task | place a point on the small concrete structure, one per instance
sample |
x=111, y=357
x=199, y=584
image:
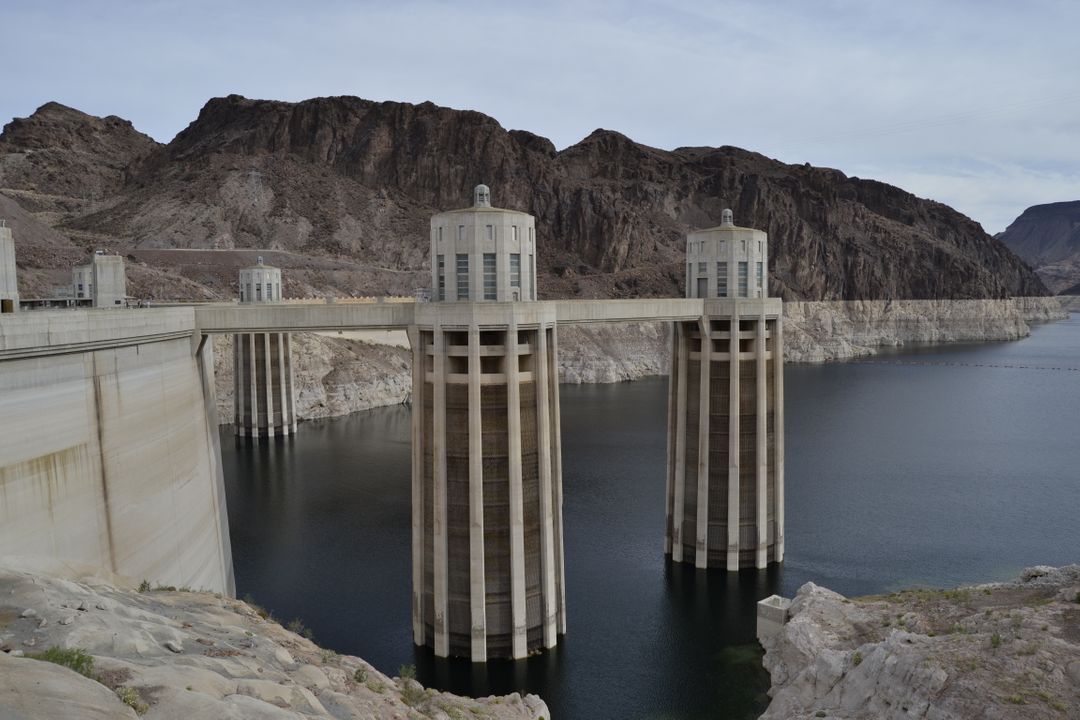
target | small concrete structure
x=263, y=398
x=487, y=465
x=483, y=253
x=725, y=488
x=772, y=615
x=103, y=280
x=9, y=287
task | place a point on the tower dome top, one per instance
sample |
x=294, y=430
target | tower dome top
x=727, y=218
x=481, y=196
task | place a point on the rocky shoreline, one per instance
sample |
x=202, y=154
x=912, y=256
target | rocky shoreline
x=77, y=642
x=339, y=375
x=1003, y=650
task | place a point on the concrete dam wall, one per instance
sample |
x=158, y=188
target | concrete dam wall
x=109, y=445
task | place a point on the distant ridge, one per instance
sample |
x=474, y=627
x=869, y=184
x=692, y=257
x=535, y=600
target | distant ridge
x=1048, y=237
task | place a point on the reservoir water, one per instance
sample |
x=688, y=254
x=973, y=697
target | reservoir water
x=931, y=467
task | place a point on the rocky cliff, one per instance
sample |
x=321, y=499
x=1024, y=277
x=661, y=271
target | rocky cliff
x=1048, y=237
x=348, y=184
x=1005, y=651
x=78, y=643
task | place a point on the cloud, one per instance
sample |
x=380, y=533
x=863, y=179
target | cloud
x=951, y=100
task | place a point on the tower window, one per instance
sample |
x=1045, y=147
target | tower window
x=258, y=291
x=490, y=232
x=438, y=233
x=760, y=276
x=515, y=269
x=742, y=279
x=532, y=273
x=721, y=279
x=490, y=283
x=461, y=233
x=462, y=276
x=514, y=232
x=441, y=262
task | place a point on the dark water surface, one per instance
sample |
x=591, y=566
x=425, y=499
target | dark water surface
x=933, y=467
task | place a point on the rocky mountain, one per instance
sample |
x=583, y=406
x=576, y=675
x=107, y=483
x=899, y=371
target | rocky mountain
x=1048, y=237
x=340, y=189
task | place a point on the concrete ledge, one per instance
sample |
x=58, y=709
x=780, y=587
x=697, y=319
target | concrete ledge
x=33, y=334
x=772, y=615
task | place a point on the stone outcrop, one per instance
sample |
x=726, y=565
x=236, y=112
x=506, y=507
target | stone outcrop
x=333, y=376
x=1048, y=237
x=353, y=182
x=822, y=331
x=179, y=655
x=1003, y=651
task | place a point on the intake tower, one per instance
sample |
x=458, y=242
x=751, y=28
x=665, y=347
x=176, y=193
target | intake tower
x=487, y=467
x=263, y=396
x=725, y=498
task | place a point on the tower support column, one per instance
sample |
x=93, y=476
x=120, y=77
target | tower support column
x=263, y=405
x=487, y=501
x=732, y=516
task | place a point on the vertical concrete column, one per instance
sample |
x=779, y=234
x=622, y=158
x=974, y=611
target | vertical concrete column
x=778, y=434
x=268, y=385
x=517, y=507
x=671, y=432
x=761, y=452
x=439, y=529
x=556, y=480
x=292, y=387
x=477, y=586
x=419, y=371
x=733, y=448
x=238, y=386
x=701, y=558
x=547, y=521
x=283, y=385
x=682, y=352
x=253, y=387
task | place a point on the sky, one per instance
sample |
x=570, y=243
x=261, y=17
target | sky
x=972, y=103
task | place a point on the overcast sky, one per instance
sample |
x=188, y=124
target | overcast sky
x=975, y=104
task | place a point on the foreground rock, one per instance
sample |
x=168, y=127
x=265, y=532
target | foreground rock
x=1006, y=650
x=189, y=656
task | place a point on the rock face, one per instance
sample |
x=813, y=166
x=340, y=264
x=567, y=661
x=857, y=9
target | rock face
x=333, y=376
x=823, y=331
x=1048, y=237
x=1007, y=650
x=177, y=655
x=349, y=181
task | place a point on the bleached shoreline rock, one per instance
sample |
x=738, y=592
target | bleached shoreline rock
x=1002, y=651
x=182, y=655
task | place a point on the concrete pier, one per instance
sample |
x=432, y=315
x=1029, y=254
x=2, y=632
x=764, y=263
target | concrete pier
x=725, y=446
x=9, y=286
x=263, y=392
x=487, y=481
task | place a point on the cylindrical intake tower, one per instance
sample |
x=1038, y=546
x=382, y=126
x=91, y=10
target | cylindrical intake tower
x=725, y=498
x=263, y=400
x=487, y=480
